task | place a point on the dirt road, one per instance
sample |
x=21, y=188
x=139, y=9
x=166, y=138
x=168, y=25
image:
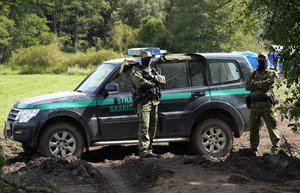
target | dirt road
x=117, y=169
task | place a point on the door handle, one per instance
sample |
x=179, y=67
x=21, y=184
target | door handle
x=198, y=94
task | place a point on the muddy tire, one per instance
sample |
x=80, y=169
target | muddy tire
x=212, y=137
x=61, y=140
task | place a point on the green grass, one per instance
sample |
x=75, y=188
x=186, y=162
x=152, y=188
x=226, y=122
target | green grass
x=14, y=88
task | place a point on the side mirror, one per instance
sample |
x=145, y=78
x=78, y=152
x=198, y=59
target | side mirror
x=111, y=88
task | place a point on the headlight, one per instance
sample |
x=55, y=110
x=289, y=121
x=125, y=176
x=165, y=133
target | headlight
x=27, y=114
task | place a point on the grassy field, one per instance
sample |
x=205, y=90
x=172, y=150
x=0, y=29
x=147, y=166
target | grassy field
x=14, y=88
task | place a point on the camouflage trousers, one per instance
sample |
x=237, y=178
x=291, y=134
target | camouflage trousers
x=263, y=110
x=147, y=118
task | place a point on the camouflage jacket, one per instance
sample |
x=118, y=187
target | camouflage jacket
x=261, y=83
x=140, y=82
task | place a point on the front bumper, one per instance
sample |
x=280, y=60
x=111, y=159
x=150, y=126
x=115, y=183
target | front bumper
x=19, y=132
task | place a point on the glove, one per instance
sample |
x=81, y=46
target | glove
x=148, y=77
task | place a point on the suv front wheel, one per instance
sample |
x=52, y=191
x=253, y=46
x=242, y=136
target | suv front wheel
x=212, y=137
x=61, y=139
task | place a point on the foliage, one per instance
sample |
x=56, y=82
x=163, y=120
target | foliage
x=90, y=58
x=6, y=26
x=7, y=70
x=28, y=31
x=152, y=32
x=76, y=70
x=120, y=37
x=79, y=22
x=37, y=56
x=5, y=188
x=78, y=25
x=131, y=12
x=50, y=59
x=281, y=27
x=207, y=25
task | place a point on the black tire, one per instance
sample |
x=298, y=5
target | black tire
x=212, y=137
x=65, y=140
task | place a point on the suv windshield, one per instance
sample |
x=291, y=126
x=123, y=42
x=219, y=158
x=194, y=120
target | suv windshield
x=95, y=79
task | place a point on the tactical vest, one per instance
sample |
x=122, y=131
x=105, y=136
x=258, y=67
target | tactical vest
x=143, y=95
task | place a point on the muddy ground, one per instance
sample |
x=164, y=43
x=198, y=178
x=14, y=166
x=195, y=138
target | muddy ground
x=117, y=169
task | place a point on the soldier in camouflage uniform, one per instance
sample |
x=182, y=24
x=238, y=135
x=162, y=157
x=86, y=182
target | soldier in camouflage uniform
x=260, y=83
x=146, y=81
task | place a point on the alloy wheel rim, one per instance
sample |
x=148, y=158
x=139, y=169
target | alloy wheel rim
x=213, y=140
x=62, y=144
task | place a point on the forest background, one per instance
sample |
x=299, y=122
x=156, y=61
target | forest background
x=73, y=36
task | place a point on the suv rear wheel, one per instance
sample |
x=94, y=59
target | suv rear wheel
x=212, y=137
x=61, y=139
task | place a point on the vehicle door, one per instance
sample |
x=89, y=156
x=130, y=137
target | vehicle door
x=116, y=114
x=186, y=89
x=226, y=82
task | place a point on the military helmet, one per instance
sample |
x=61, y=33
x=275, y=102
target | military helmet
x=147, y=54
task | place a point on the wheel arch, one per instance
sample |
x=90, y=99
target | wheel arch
x=218, y=110
x=66, y=116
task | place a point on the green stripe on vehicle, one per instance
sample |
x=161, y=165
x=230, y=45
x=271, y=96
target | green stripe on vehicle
x=228, y=92
x=77, y=104
x=173, y=96
x=106, y=102
x=24, y=106
x=73, y=104
x=111, y=101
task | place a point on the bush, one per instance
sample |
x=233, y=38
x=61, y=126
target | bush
x=90, y=58
x=76, y=70
x=7, y=70
x=37, y=56
x=49, y=59
x=27, y=69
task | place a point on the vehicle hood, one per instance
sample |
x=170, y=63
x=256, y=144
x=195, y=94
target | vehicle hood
x=56, y=100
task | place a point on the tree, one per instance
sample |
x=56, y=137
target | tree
x=6, y=26
x=152, y=33
x=280, y=21
x=120, y=37
x=207, y=25
x=78, y=22
x=195, y=26
x=29, y=31
x=131, y=12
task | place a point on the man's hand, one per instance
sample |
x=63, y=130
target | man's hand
x=148, y=76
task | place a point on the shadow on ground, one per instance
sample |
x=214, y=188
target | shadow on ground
x=119, y=152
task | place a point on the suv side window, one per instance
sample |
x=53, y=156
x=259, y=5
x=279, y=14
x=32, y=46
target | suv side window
x=223, y=72
x=124, y=81
x=176, y=74
x=197, y=73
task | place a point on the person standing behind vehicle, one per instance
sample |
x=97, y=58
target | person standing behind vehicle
x=147, y=93
x=260, y=82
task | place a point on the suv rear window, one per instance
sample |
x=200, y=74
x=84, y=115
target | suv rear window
x=183, y=74
x=176, y=75
x=223, y=72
